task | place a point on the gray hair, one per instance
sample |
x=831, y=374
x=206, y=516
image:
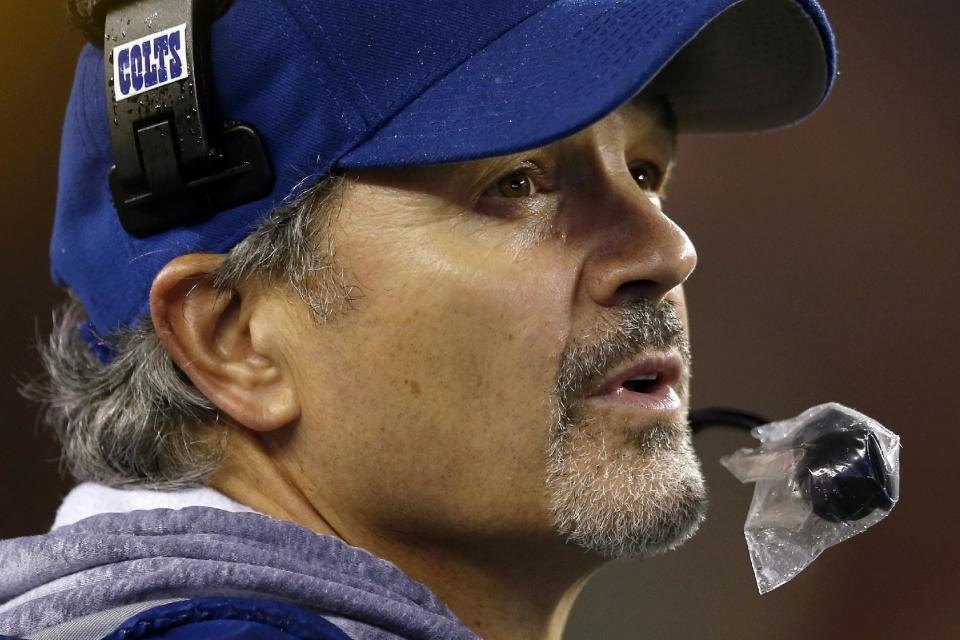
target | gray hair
x=137, y=419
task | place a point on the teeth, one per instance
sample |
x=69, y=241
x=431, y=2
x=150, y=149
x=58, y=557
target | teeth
x=648, y=376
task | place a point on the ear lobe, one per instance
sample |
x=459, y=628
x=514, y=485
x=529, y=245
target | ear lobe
x=208, y=335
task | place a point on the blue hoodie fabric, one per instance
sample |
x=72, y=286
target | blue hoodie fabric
x=199, y=561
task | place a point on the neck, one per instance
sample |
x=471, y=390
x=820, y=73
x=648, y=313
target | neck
x=504, y=589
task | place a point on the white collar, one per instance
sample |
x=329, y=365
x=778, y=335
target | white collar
x=89, y=499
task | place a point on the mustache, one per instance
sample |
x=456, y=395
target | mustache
x=626, y=333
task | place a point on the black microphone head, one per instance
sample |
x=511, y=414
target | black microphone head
x=842, y=472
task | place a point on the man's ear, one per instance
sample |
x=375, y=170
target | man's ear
x=227, y=343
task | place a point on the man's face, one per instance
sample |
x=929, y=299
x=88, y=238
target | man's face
x=489, y=384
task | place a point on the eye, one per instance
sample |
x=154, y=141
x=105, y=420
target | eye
x=518, y=184
x=648, y=176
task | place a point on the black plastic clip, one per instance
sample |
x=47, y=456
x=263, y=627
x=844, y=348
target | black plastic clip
x=175, y=163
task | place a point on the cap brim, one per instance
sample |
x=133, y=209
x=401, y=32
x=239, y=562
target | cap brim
x=724, y=65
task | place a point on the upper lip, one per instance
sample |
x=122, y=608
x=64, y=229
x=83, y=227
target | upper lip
x=667, y=366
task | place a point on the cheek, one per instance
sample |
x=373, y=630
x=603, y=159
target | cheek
x=679, y=298
x=451, y=368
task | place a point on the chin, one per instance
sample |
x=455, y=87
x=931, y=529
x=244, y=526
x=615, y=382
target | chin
x=639, y=495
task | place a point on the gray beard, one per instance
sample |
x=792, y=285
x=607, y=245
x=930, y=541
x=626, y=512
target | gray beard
x=636, y=492
x=639, y=497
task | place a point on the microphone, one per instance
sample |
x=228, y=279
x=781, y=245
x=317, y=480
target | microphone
x=841, y=473
x=821, y=477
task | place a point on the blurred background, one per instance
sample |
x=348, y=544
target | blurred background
x=828, y=271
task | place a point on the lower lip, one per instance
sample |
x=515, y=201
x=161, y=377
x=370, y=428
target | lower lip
x=662, y=398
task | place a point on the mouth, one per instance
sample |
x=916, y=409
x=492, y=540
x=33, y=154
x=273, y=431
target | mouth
x=649, y=384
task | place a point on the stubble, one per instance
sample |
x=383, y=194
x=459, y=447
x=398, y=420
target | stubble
x=630, y=492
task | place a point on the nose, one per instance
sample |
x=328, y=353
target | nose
x=637, y=251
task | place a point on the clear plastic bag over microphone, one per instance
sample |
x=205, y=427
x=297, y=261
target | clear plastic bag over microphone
x=822, y=477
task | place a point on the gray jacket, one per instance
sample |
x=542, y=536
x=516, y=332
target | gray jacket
x=81, y=580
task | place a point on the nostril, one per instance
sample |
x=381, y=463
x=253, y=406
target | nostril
x=634, y=290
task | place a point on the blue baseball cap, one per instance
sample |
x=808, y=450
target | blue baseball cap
x=348, y=84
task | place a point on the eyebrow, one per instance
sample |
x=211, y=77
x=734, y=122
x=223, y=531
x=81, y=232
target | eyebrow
x=663, y=116
x=658, y=114
x=666, y=116
x=661, y=109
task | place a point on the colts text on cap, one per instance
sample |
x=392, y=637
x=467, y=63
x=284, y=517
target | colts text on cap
x=150, y=62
